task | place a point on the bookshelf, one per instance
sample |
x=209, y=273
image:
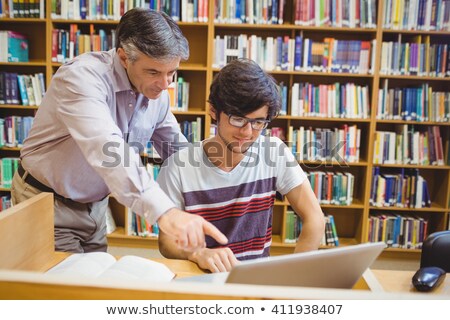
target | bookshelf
x=352, y=221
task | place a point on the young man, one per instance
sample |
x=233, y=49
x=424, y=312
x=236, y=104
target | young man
x=231, y=179
x=99, y=112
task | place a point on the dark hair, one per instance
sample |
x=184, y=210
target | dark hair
x=242, y=87
x=151, y=32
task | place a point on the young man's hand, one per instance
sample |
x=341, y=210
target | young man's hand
x=189, y=230
x=214, y=260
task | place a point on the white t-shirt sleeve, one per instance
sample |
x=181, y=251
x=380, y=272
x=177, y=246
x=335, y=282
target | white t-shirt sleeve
x=169, y=180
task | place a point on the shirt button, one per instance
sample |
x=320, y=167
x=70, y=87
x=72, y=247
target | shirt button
x=132, y=93
x=130, y=105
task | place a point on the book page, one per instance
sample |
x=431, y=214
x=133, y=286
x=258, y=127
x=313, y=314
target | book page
x=138, y=268
x=104, y=265
x=84, y=264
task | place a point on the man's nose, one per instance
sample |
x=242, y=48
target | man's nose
x=247, y=128
x=164, y=82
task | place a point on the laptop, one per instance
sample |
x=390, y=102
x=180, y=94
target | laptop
x=329, y=268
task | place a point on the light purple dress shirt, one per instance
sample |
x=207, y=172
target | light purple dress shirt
x=79, y=142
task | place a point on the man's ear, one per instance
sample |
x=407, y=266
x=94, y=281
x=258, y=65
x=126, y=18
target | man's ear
x=212, y=112
x=122, y=57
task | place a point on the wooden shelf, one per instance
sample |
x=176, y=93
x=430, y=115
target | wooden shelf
x=418, y=78
x=355, y=205
x=424, y=123
x=321, y=163
x=17, y=106
x=189, y=113
x=403, y=250
x=118, y=238
x=344, y=120
x=315, y=74
x=4, y=148
x=411, y=166
x=289, y=27
x=31, y=63
x=417, y=32
x=433, y=208
x=22, y=20
x=95, y=22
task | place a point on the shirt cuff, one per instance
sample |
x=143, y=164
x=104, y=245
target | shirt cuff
x=152, y=205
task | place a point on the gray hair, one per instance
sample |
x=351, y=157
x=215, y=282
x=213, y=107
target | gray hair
x=153, y=33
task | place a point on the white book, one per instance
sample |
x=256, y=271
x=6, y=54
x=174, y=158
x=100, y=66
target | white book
x=270, y=62
x=392, y=147
x=411, y=15
x=110, y=222
x=427, y=23
x=380, y=104
x=184, y=11
x=399, y=149
x=64, y=9
x=29, y=88
x=291, y=53
x=300, y=143
x=384, y=54
x=305, y=54
x=406, y=150
x=243, y=46
x=102, y=265
x=419, y=192
x=36, y=89
x=3, y=46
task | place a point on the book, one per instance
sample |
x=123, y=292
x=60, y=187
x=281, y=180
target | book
x=102, y=265
x=110, y=222
x=17, y=47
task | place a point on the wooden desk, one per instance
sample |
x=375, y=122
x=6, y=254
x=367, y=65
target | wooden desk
x=36, y=285
x=400, y=281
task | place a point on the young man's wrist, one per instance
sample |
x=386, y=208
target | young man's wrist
x=193, y=256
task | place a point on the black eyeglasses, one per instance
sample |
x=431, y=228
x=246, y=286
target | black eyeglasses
x=240, y=122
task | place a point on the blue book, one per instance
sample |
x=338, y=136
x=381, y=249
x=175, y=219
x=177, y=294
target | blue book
x=83, y=9
x=333, y=228
x=195, y=10
x=237, y=16
x=17, y=47
x=298, y=52
x=279, y=53
x=8, y=98
x=275, y=11
x=396, y=234
x=2, y=87
x=22, y=90
x=284, y=100
x=373, y=190
x=175, y=10
x=14, y=89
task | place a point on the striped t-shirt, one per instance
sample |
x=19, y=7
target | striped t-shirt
x=240, y=202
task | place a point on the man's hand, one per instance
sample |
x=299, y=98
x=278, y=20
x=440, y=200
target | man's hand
x=189, y=230
x=214, y=260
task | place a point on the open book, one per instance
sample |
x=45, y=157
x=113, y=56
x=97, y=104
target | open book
x=104, y=265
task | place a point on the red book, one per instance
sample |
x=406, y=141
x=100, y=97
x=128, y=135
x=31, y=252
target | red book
x=55, y=33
